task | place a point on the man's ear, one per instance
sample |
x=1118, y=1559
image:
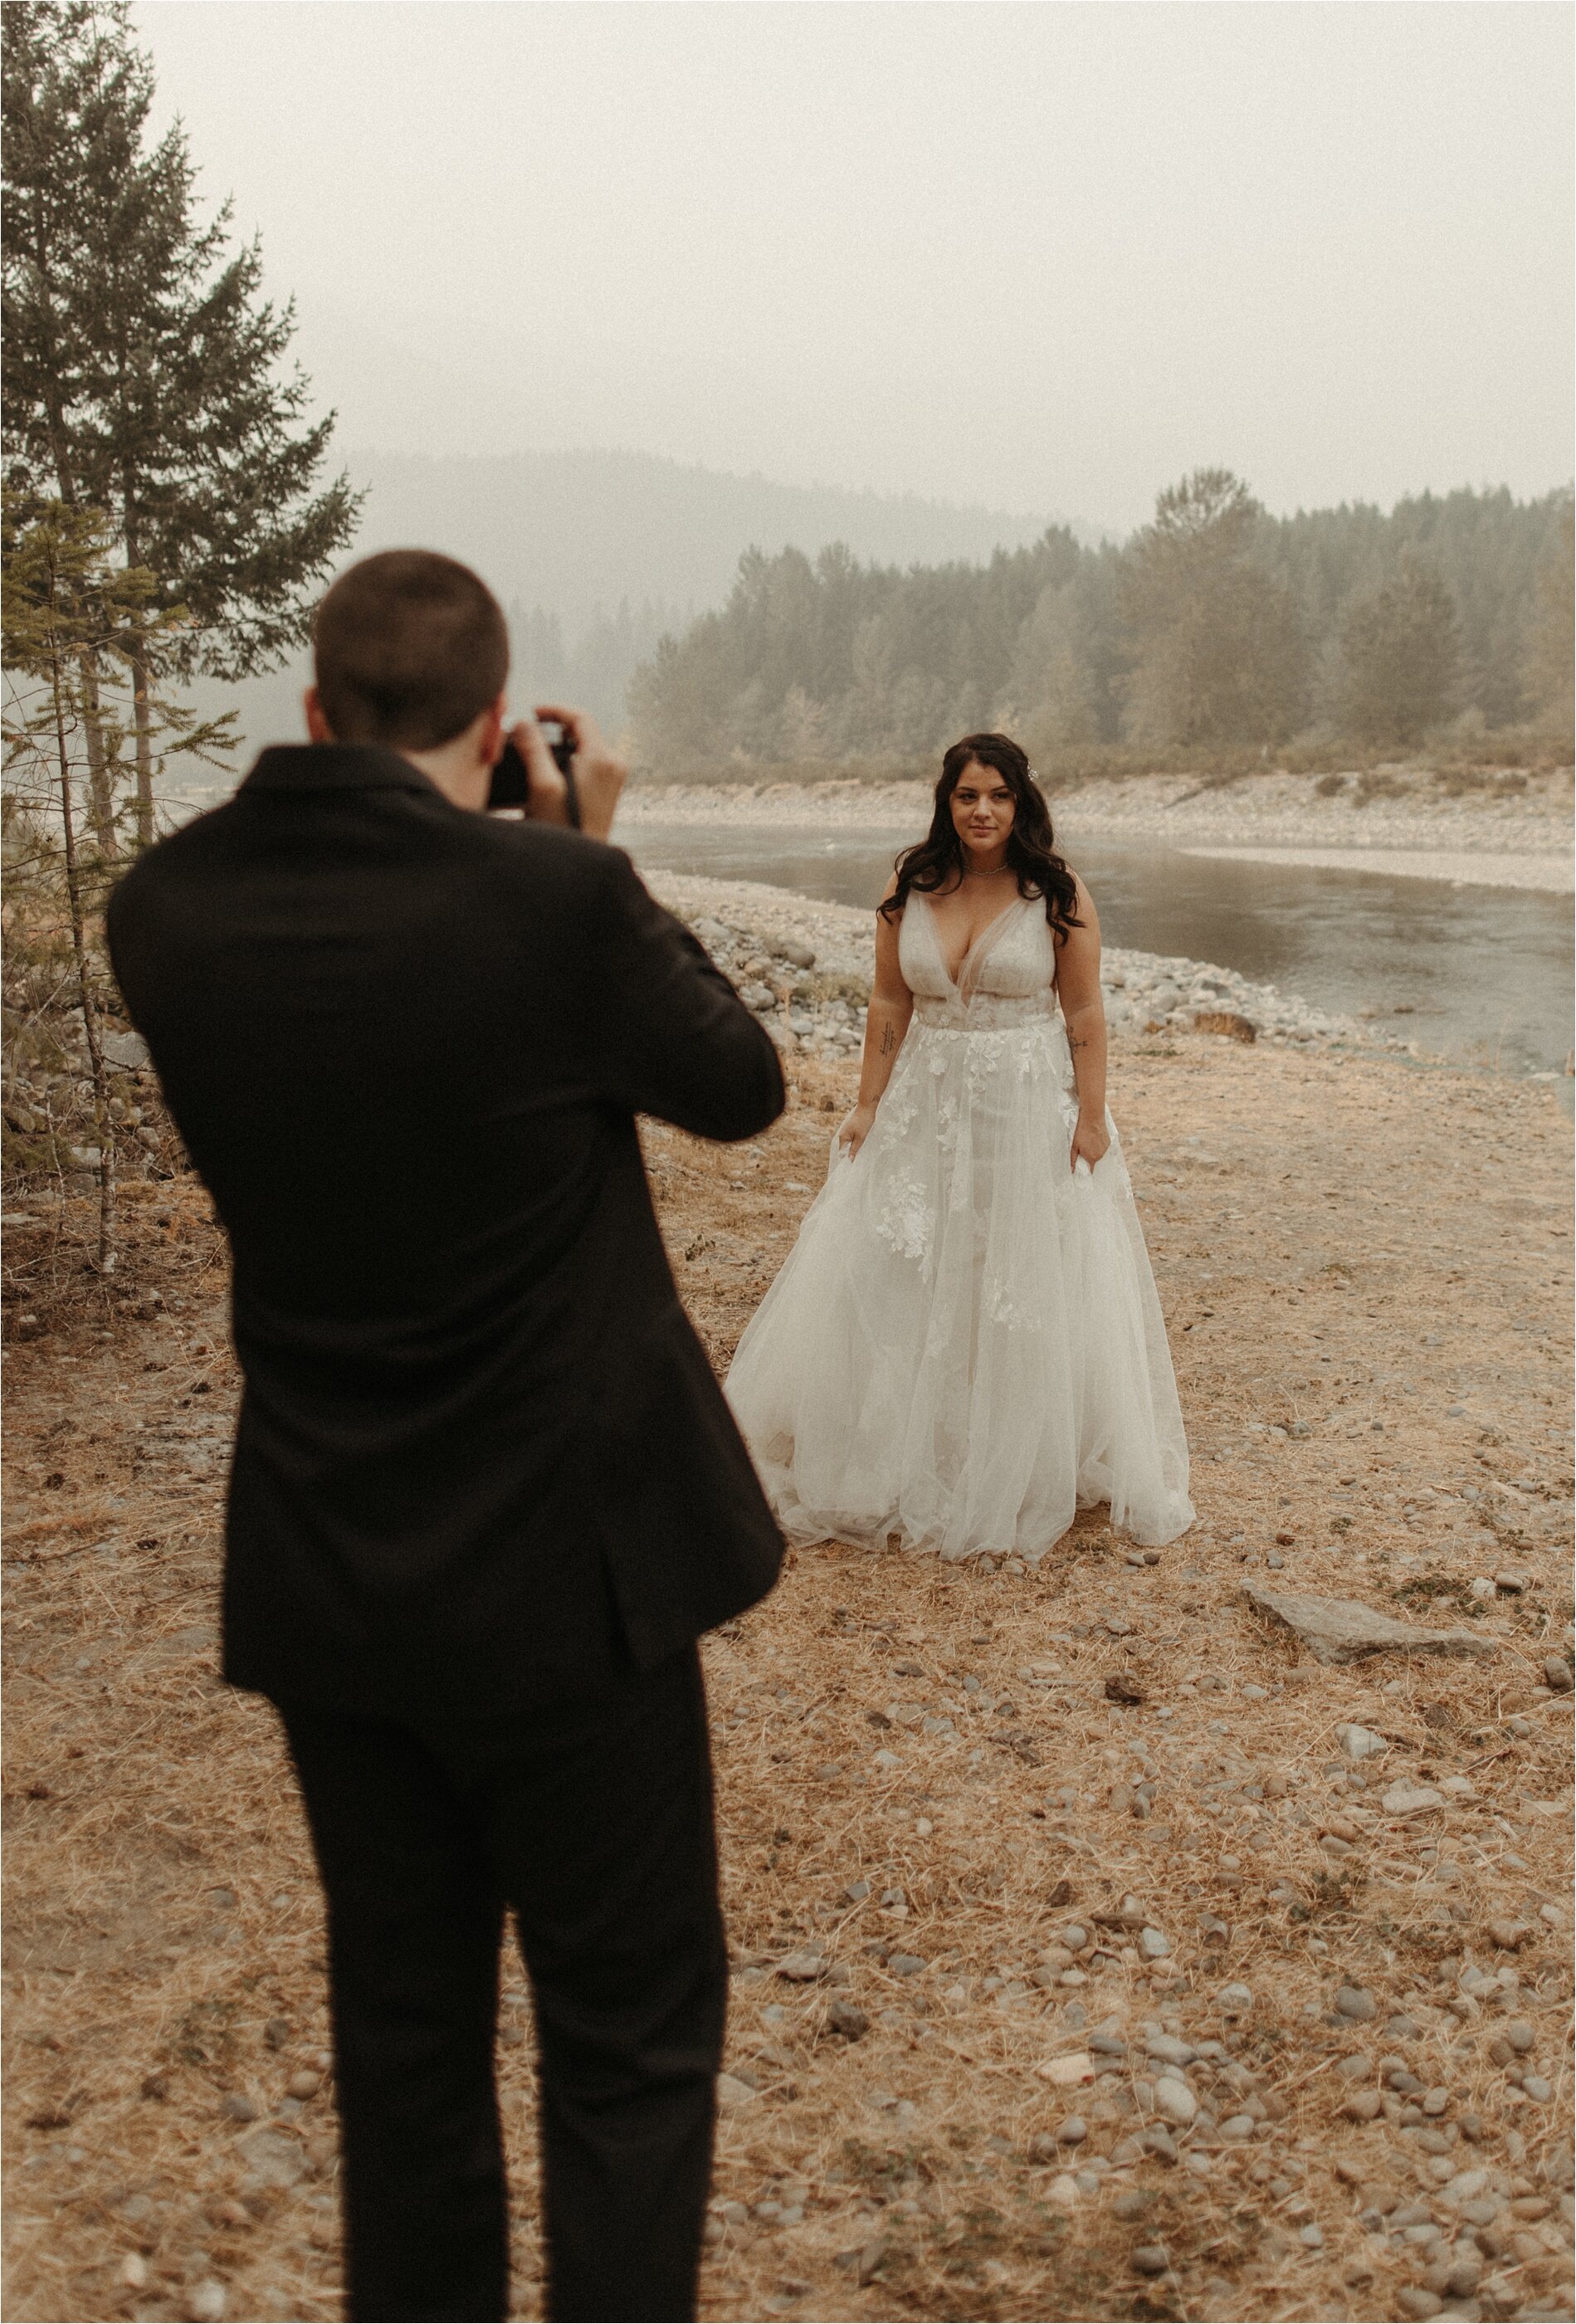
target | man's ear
x=492, y=738
x=317, y=726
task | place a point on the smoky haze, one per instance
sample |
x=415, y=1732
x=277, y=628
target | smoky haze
x=1024, y=262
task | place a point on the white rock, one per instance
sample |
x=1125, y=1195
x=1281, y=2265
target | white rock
x=1066, y=2073
x=732, y=2093
x=802, y=1967
x=208, y=2301
x=1175, y=2100
x=1412, y=1799
x=1464, y=2188
x=1234, y=2000
x=1169, y=2050
x=1063, y=2190
x=1358, y=1742
x=1153, y=1945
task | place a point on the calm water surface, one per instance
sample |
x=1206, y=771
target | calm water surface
x=1484, y=973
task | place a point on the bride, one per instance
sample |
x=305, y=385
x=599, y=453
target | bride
x=964, y=1345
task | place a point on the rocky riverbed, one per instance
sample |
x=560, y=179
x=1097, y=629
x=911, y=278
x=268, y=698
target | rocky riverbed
x=805, y=967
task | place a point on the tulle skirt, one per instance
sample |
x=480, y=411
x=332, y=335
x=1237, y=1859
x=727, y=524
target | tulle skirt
x=965, y=1345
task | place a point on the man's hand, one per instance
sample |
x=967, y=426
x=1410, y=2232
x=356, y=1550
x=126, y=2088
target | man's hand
x=599, y=777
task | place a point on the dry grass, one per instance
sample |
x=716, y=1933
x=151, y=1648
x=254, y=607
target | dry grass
x=163, y=1940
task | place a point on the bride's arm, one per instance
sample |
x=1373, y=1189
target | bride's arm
x=891, y=1005
x=1078, y=989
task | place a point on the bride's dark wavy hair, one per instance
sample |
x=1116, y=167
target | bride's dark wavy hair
x=1031, y=850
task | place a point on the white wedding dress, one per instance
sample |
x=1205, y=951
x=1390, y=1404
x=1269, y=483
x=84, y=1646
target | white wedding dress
x=964, y=1345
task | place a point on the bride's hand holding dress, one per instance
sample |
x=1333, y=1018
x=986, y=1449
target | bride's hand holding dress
x=886, y=1021
x=1084, y=1014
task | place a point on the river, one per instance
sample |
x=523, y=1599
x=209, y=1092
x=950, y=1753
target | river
x=1479, y=975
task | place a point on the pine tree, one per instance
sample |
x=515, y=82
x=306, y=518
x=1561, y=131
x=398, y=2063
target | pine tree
x=1548, y=672
x=143, y=374
x=69, y=607
x=1220, y=657
x=1402, y=649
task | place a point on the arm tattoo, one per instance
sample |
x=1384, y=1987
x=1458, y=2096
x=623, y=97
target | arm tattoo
x=888, y=1043
x=1073, y=1042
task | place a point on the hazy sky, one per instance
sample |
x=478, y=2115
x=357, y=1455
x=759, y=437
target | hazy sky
x=1044, y=256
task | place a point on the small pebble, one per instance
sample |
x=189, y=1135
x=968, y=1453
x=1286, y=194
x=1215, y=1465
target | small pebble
x=208, y=2301
x=1175, y=2100
x=1063, y=2190
x=1413, y=2300
x=1151, y=2259
x=1153, y=1945
x=238, y=2107
x=1131, y=2204
x=1073, y=2132
x=304, y=2085
x=1557, y=1673
x=1355, y=2001
x=844, y=2018
x=134, y=2271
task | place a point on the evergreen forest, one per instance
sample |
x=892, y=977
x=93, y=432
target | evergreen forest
x=1216, y=629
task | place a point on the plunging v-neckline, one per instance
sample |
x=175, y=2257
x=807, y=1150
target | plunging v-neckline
x=954, y=976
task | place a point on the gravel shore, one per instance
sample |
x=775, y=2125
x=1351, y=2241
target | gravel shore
x=805, y=967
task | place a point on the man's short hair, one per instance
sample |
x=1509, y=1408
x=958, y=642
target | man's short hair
x=409, y=647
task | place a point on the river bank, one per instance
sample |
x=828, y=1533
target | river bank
x=1516, y=837
x=806, y=966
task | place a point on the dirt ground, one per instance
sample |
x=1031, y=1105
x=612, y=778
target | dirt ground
x=925, y=1785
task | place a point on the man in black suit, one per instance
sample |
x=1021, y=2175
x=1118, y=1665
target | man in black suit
x=486, y=1493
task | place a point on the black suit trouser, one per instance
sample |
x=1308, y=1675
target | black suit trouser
x=594, y=1821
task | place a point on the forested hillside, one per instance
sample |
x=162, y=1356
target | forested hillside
x=1216, y=627
x=597, y=555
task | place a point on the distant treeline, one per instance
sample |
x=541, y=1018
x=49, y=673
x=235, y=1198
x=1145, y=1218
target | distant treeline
x=591, y=666
x=1217, y=627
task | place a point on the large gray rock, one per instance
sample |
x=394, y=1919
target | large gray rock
x=1339, y=1630
x=278, y=2161
x=129, y=1051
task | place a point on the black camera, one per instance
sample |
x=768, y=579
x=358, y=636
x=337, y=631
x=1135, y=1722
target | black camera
x=511, y=785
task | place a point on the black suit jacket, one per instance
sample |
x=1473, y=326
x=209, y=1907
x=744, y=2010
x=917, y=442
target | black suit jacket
x=406, y=1046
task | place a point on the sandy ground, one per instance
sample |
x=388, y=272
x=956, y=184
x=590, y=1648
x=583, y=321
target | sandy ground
x=1366, y=1270
x=1419, y=830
